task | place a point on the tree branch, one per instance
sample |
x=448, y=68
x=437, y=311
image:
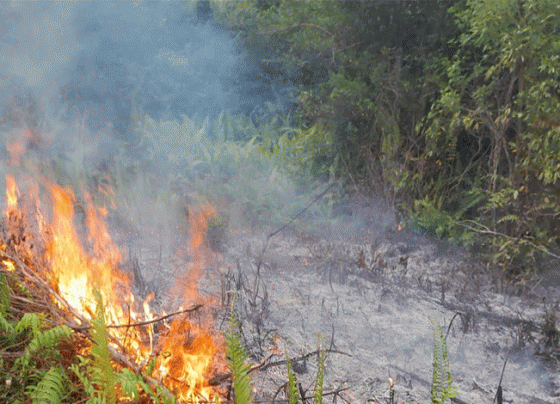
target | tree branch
x=485, y=230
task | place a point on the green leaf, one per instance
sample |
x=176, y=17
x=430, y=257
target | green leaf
x=236, y=356
x=4, y=295
x=128, y=382
x=51, y=389
x=102, y=370
x=318, y=390
x=292, y=383
x=31, y=321
x=442, y=383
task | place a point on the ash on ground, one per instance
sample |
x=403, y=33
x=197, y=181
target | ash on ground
x=370, y=300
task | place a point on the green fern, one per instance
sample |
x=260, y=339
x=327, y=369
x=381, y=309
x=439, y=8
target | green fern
x=81, y=372
x=7, y=328
x=49, y=338
x=102, y=370
x=32, y=321
x=318, y=391
x=237, y=356
x=128, y=382
x=42, y=342
x=34, y=381
x=51, y=389
x=4, y=295
x=442, y=383
x=292, y=383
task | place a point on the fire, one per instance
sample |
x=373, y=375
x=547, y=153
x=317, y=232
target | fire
x=77, y=273
x=19, y=147
x=9, y=265
x=198, y=249
x=12, y=193
x=187, y=353
x=68, y=259
x=184, y=352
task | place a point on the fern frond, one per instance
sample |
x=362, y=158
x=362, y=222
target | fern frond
x=4, y=295
x=78, y=371
x=51, y=389
x=442, y=382
x=128, y=382
x=81, y=373
x=237, y=356
x=292, y=383
x=102, y=369
x=41, y=341
x=7, y=327
x=31, y=321
x=49, y=338
x=318, y=391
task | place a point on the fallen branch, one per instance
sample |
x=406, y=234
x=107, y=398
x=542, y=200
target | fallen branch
x=300, y=213
x=218, y=379
x=156, y=320
x=43, y=285
x=266, y=364
x=259, y=263
x=147, y=322
x=124, y=361
x=303, y=397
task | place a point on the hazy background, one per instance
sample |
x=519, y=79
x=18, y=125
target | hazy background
x=94, y=61
x=147, y=99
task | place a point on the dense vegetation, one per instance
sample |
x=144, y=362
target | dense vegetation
x=448, y=109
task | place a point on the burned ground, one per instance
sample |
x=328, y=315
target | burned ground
x=371, y=300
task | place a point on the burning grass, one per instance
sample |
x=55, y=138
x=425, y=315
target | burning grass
x=67, y=305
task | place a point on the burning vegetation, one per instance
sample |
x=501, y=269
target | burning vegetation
x=86, y=304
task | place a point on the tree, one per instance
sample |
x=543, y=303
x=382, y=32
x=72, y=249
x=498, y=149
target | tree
x=448, y=108
x=495, y=126
x=359, y=69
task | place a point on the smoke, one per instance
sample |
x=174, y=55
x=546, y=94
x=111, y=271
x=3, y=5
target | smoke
x=117, y=94
x=152, y=57
x=99, y=61
x=36, y=47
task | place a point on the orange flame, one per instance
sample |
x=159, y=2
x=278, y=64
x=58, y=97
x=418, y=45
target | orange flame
x=12, y=193
x=186, y=351
x=17, y=148
x=198, y=250
x=78, y=274
x=186, y=355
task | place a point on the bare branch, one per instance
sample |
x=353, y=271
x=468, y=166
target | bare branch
x=156, y=320
x=485, y=230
